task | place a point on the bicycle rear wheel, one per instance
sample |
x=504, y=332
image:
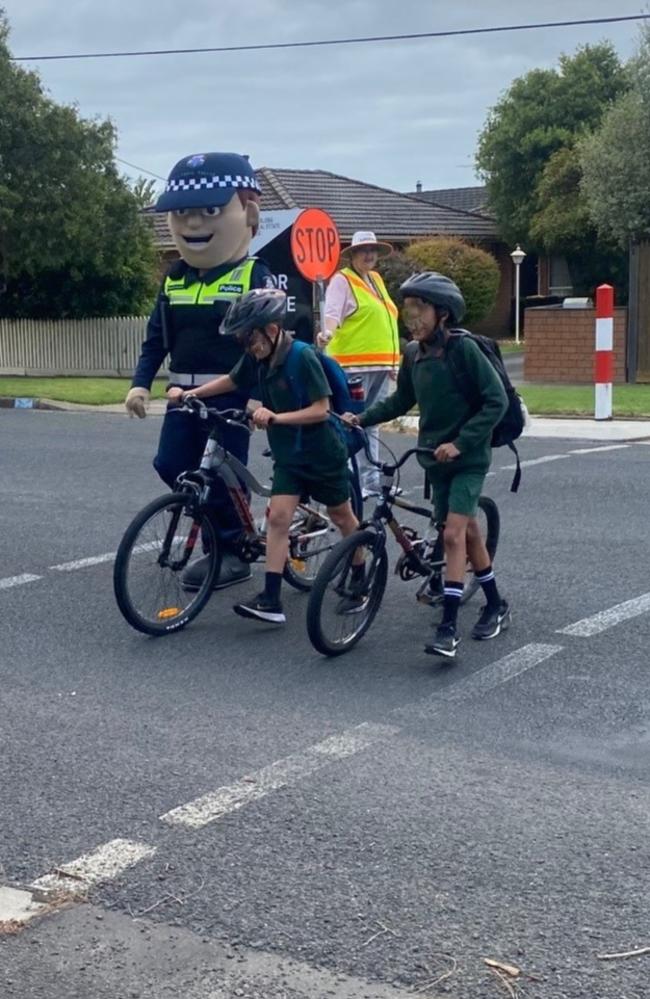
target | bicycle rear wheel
x=167, y=537
x=340, y=611
x=311, y=539
x=490, y=525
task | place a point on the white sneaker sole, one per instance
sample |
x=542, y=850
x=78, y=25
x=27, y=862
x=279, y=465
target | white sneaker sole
x=432, y=651
x=269, y=617
x=502, y=625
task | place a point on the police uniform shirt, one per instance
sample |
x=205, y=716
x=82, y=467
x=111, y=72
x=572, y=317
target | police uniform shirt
x=154, y=351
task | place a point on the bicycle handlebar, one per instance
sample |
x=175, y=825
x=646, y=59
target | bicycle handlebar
x=237, y=418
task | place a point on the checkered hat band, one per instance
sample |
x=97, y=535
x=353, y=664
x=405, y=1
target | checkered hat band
x=209, y=183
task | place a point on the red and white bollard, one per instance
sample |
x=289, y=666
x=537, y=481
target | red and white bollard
x=604, y=356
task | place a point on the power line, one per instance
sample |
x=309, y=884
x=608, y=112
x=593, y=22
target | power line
x=338, y=41
x=141, y=169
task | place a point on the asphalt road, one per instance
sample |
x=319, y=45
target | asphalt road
x=401, y=820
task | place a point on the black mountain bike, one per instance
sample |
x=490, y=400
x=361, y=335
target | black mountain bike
x=172, y=532
x=342, y=608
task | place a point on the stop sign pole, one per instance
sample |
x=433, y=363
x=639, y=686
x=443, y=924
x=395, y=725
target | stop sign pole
x=315, y=248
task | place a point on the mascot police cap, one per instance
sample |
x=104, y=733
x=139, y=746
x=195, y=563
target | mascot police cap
x=206, y=179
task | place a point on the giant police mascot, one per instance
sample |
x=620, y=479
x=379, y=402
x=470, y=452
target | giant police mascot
x=213, y=205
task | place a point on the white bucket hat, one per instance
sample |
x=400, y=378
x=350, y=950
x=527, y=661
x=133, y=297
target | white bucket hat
x=362, y=240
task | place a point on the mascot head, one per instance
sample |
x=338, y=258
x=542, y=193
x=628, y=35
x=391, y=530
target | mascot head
x=212, y=200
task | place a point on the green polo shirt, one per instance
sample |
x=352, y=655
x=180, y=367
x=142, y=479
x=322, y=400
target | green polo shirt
x=317, y=446
x=445, y=414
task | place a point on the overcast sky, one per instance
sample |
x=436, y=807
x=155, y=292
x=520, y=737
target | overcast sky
x=388, y=113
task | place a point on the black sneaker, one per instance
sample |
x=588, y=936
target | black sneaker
x=354, y=597
x=352, y=603
x=444, y=643
x=232, y=571
x=262, y=608
x=492, y=621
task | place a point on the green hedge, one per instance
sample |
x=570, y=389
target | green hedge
x=475, y=271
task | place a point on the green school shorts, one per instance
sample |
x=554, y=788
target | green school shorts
x=455, y=491
x=330, y=487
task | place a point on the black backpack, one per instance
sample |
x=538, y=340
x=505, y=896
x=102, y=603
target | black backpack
x=512, y=423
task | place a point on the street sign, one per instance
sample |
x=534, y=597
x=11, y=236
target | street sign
x=315, y=244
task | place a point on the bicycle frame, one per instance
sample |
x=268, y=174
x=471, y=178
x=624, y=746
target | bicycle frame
x=218, y=463
x=411, y=564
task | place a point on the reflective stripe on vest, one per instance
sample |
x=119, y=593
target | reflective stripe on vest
x=225, y=289
x=368, y=337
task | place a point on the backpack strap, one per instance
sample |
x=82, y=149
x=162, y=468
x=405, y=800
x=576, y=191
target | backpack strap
x=291, y=371
x=460, y=373
x=455, y=358
x=516, y=479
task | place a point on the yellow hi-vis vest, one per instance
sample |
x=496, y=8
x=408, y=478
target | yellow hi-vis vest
x=368, y=338
x=226, y=288
x=194, y=316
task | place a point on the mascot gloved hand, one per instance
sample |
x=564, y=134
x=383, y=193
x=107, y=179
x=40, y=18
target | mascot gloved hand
x=137, y=402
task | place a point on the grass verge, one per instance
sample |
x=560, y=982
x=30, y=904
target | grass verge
x=88, y=391
x=542, y=400
x=578, y=400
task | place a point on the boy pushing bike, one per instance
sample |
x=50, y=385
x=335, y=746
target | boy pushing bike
x=309, y=454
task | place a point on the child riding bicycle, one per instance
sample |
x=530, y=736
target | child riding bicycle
x=459, y=437
x=309, y=454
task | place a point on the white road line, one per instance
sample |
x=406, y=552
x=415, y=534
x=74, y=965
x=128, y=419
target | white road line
x=17, y=906
x=484, y=680
x=291, y=769
x=500, y=672
x=535, y=461
x=593, y=450
x=81, y=563
x=103, y=864
x=6, y=584
x=593, y=625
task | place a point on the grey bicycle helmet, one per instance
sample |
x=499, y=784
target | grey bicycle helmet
x=437, y=289
x=252, y=311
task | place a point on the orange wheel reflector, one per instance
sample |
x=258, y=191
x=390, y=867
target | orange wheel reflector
x=168, y=612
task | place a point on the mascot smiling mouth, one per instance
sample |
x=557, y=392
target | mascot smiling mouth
x=197, y=240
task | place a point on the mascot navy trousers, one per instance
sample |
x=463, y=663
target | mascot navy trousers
x=183, y=437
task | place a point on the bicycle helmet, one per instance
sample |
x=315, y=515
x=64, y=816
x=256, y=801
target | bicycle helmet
x=252, y=311
x=438, y=290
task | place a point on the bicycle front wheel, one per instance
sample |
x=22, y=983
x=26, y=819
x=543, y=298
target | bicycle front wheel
x=165, y=540
x=489, y=525
x=342, y=608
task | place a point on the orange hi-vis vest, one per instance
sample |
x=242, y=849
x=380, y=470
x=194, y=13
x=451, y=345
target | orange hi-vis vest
x=367, y=338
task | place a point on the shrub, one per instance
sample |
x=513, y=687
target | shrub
x=475, y=271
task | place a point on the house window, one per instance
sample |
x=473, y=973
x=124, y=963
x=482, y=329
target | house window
x=559, y=277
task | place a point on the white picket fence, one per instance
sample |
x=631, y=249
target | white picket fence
x=97, y=347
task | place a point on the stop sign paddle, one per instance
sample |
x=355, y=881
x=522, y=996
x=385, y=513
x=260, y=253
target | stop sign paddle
x=315, y=244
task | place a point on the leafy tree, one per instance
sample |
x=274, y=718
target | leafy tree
x=144, y=191
x=563, y=225
x=72, y=240
x=475, y=272
x=541, y=115
x=615, y=160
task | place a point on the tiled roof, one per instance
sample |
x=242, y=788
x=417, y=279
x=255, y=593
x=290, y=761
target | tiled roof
x=354, y=205
x=467, y=199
